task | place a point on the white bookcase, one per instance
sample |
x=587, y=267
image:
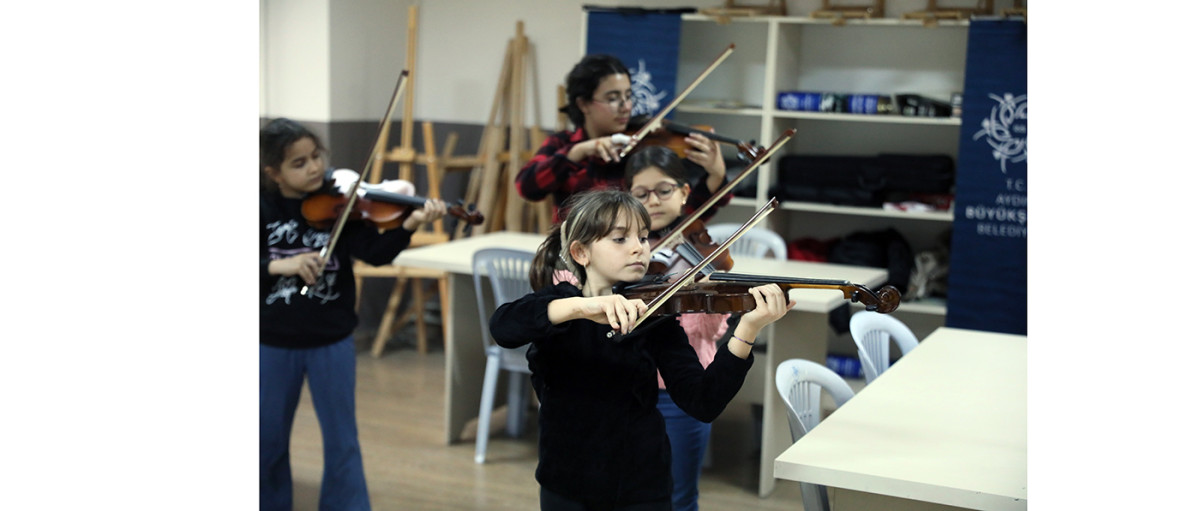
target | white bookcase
x=776, y=54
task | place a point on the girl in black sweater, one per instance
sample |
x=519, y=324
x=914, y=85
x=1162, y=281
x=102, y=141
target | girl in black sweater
x=311, y=334
x=602, y=441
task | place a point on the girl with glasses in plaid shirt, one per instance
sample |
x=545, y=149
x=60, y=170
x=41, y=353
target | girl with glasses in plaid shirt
x=600, y=103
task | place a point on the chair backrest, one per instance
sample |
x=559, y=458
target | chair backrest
x=871, y=332
x=508, y=272
x=800, y=383
x=757, y=242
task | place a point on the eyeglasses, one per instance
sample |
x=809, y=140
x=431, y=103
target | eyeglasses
x=663, y=191
x=615, y=102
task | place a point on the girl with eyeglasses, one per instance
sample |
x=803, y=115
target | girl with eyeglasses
x=600, y=104
x=657, y=179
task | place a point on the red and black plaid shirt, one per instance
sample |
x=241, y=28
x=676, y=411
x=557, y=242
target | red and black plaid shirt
x=551, y=172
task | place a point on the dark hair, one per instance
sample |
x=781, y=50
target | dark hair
x=655, y=156
x=273, y=141
x=592, y=215
x=583, y=80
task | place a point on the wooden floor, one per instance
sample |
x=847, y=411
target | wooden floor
x=408, y=466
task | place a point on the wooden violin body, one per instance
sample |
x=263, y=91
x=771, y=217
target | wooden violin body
x=674, y=137
x=696, y=246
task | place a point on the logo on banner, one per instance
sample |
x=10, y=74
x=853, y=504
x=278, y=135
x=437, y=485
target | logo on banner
x=1005, y=129
x=649, y=99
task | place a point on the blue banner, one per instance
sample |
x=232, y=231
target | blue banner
x=647, y=42
x=987, y=287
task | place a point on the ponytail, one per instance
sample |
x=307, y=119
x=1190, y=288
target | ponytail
x=547, y=260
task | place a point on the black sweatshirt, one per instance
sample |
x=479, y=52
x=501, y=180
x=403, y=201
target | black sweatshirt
x=325, y=314
x=603, y=440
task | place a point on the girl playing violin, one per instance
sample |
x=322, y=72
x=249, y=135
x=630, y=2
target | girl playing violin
x=602, y=441
x=657, y=179
x=310, y=334
x=600, y=104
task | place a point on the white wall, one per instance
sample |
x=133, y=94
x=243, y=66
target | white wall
x=368, y=45
x=295, y=59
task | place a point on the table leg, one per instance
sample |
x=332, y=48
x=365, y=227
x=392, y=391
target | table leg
x=799, y=334
x=841, y=499
x=465, y=359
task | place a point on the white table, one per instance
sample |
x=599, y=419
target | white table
x=943, y=428
x=803, y=333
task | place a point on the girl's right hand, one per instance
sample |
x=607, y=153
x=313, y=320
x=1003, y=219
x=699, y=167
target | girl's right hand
x=306, y=265
x=614, y=310
x=607, y=148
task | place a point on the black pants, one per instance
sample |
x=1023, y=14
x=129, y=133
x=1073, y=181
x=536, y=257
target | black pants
x=554, y=502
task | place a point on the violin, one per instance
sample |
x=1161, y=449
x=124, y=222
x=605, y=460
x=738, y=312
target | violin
x=352, y=195
x=730, y=293
x=696, y=246
x=673, y=136
x=387, y=210
x=686, y=226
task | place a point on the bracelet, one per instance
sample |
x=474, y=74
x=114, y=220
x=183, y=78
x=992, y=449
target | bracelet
x=743, y=340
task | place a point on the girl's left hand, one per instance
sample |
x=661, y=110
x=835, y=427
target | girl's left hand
x=771, y=304
x=706, y=153
x=434, y=209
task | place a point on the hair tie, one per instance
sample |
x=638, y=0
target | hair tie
x=743, y=340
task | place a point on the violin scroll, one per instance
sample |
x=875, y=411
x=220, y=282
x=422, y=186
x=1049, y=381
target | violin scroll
x=886, y=300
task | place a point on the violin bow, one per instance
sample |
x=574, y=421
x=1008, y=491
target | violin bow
x=656, y=121
x=688, y=276
x=716, y=196
x=327, y=250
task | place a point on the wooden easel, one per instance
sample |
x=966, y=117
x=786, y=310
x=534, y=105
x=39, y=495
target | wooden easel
x=934, y=12
x=1018, y=9
x=409, y=278
x=733, y=9
x=505, y=148
x=839, y=13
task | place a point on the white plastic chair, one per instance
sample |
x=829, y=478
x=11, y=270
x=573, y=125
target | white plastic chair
x=508, y=272
x=800, y=383
x=871, y=332
x=756, y=242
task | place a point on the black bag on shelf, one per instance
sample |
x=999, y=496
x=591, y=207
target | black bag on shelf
x=879, y=249
x=911, y=173
x=843, y=180
x=862, y=180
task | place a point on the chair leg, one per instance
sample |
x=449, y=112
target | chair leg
x=418, y=308
x=814, y=497
x=517, y=402
x=389, y=317
x=444, y=300
x=486, y=401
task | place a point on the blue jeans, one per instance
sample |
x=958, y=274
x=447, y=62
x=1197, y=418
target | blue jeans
x=330, y=372
x=689, y=440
